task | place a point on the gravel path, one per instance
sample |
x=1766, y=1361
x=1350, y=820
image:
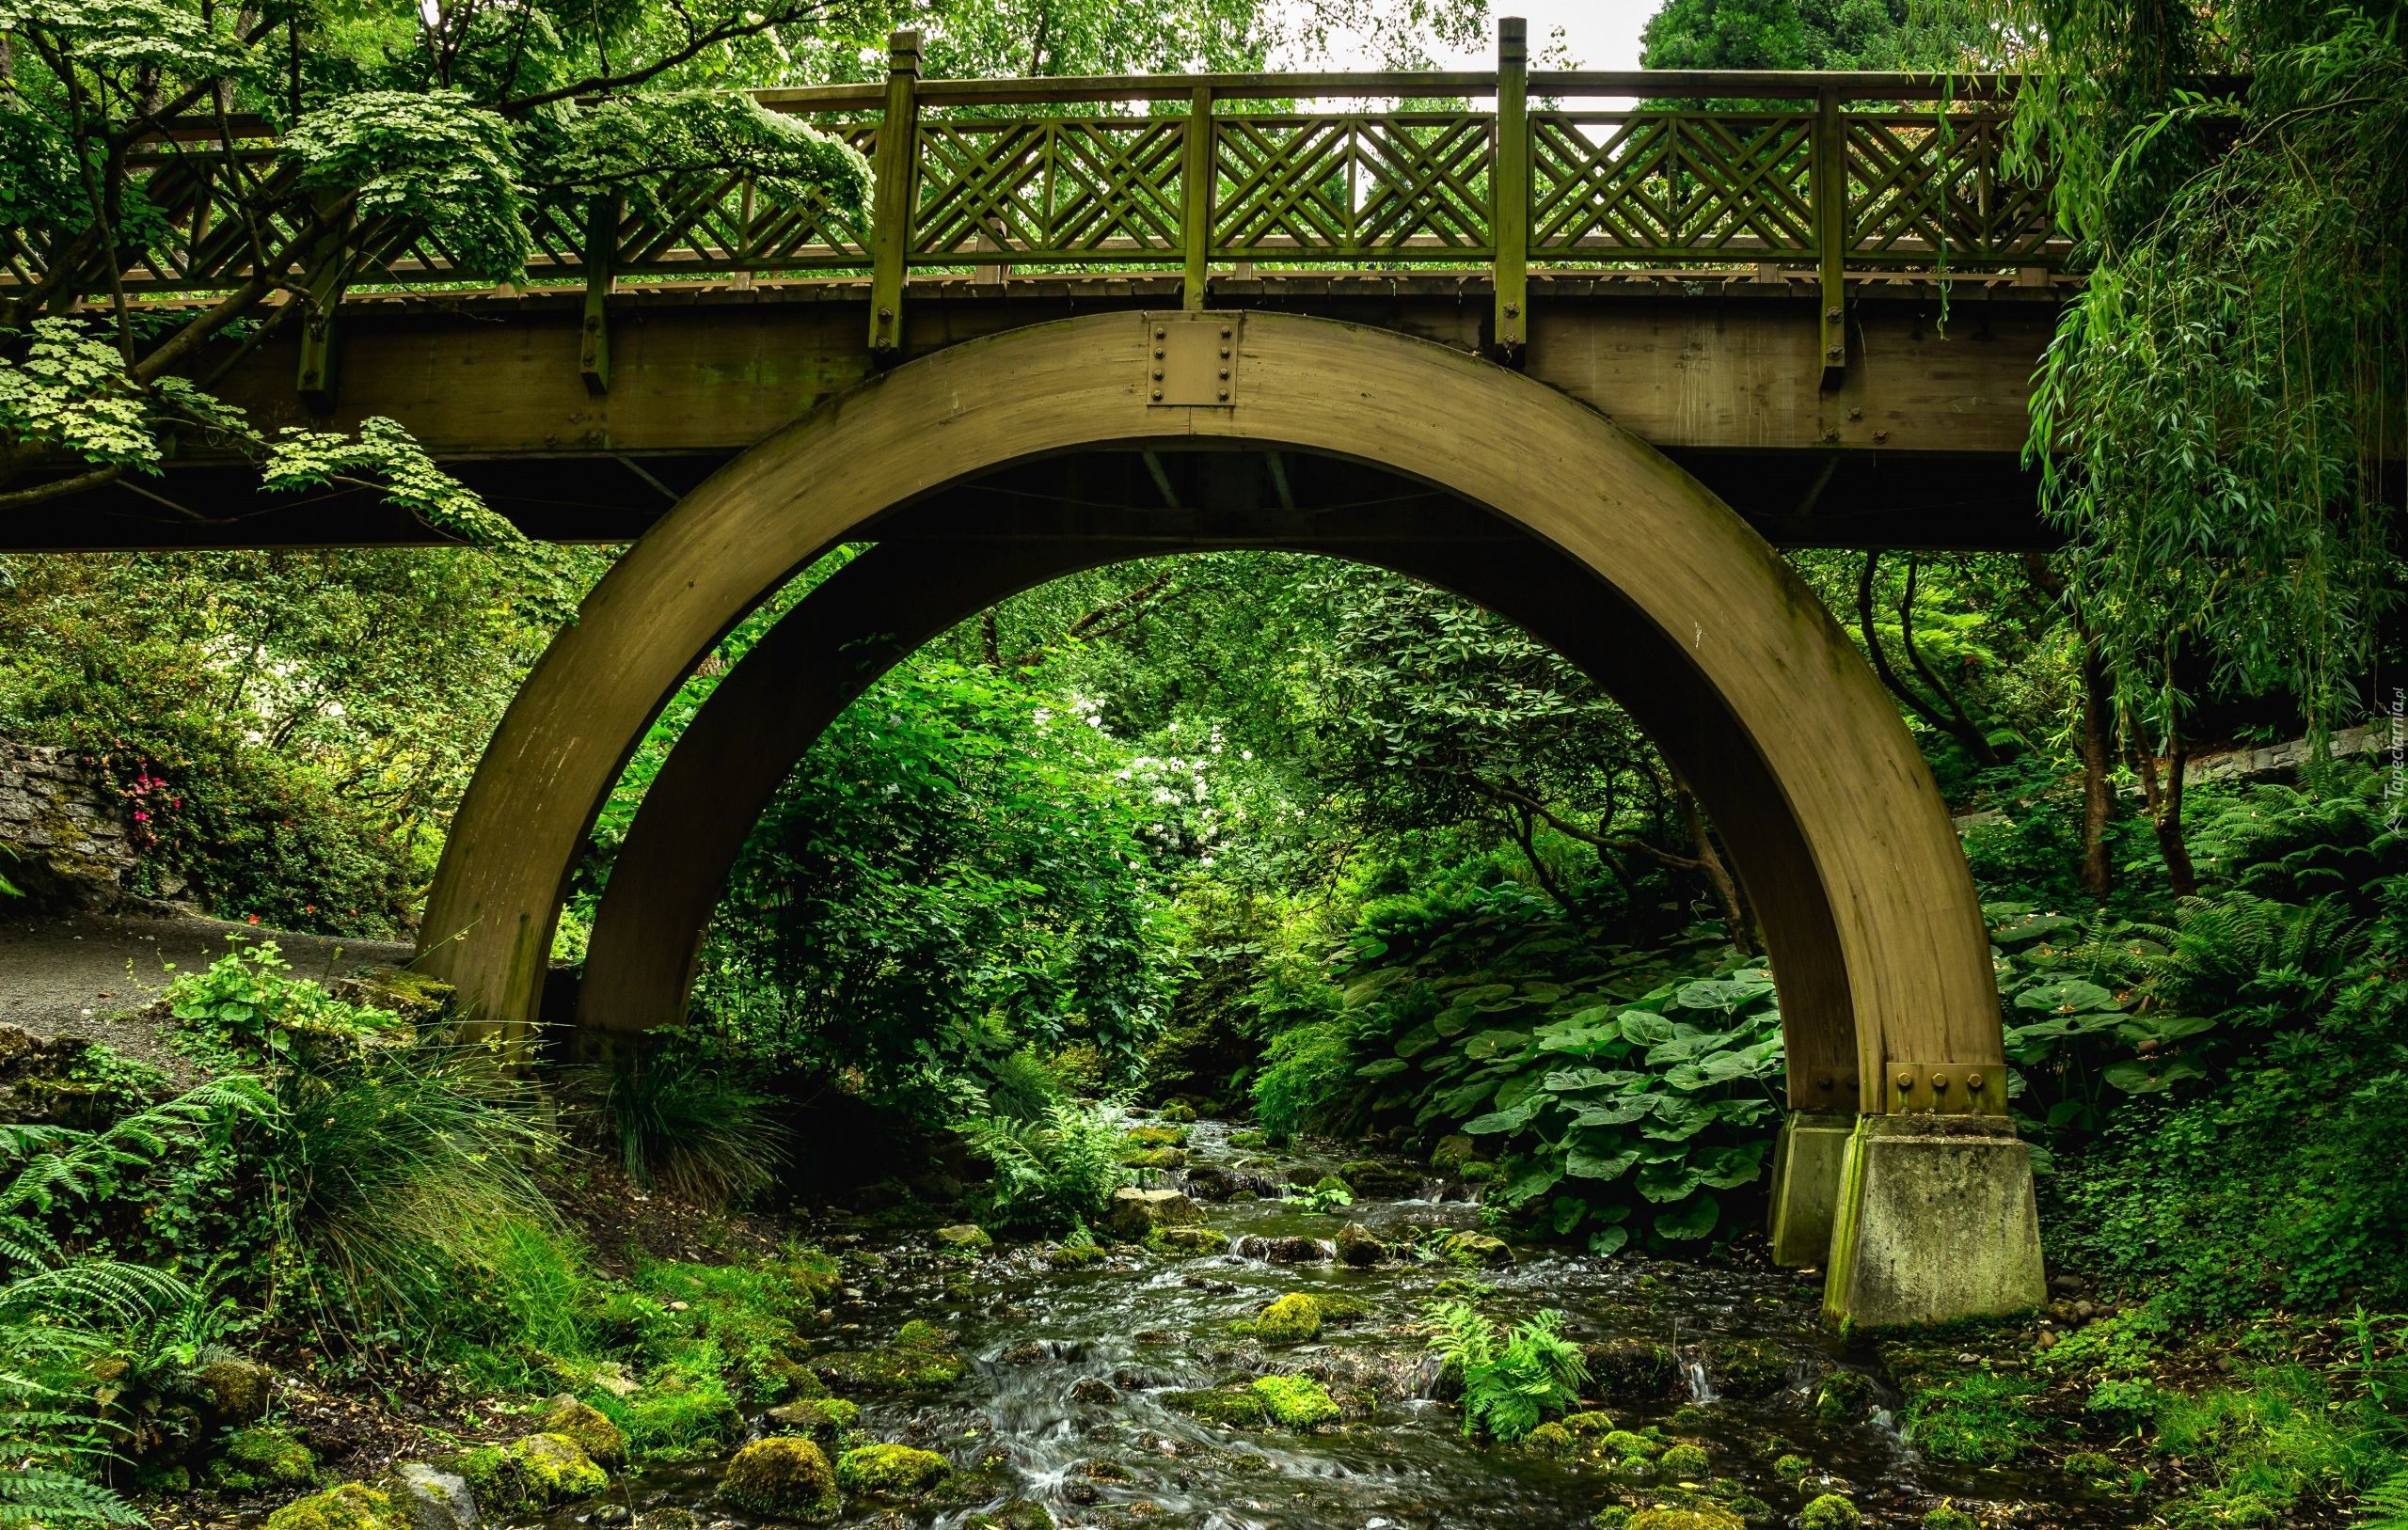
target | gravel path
x=82, y=974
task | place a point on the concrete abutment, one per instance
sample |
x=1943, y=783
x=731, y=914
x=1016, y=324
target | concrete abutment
x=1935, y=1221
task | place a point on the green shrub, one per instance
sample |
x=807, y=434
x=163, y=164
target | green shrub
x=1980, y=1418
x=1306, y=1069
x=684, y=1114
x=1512, y=1380
x=1052, y=1173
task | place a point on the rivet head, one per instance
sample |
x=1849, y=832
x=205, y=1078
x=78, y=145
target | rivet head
x=1225, y=352
x=886, y=313
x=1224, y=374
x=1835, y=353
x=1225, y=333
x=1832, y=314
x=1160, y=332
x=1972, y=1081
x=1906, y=1080
x=1939, y=1083
x=1225, y=395
x=1157, y=395
x=1158, y=374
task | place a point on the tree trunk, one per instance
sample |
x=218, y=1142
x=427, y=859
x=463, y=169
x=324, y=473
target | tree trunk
x=2097, y=748
x=2165, y=799
x=1718, y=876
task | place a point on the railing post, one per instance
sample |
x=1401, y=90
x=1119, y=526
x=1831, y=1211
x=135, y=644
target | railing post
x=601, y=275
x=1508, y=187
x=1196, y=201
x=899, y=157
x=1830, y=230
x=328, y=263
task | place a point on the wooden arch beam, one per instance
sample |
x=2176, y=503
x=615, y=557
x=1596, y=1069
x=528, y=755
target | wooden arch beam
x=1727, y=627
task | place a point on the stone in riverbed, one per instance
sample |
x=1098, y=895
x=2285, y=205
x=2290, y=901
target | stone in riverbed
x=1186, y=1241
x=237, y=1391
x=1632, y=1368
x=965, y=1235
x=783, y=1476
x=1295, y=1319
x=891, y=1472
x=1136, y=1212
x=1382, y=1181
x=352, y=1506
x=432, y=1499
x=1093, y=1389
x=1283, y=1251
x=823, y=1419
x=1358, y=1247
x=589, y=1427
x=1476, y=1251
x=1452, y=1153
x=1020, y=1514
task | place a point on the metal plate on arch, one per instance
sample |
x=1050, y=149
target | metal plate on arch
x=1947, y=1088
x=1192, y=359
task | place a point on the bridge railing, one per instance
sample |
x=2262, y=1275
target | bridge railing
x=1833, y=173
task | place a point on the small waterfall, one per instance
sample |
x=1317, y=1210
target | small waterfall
x=1700, y=1388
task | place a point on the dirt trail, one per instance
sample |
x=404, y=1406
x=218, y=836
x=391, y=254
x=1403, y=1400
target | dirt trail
x=79, y=974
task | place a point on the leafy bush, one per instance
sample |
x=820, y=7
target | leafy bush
x=1512, y=1380
x=1052, y=1173
x=686, y=1114
x=1305, y=1071
x=1605, y=1085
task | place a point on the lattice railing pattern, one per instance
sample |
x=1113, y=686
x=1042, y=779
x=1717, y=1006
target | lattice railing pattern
x=1647, y=187
x=1398, y=186
x=1670, y=186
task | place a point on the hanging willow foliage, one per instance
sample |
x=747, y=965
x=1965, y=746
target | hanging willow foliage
x=2214, y=417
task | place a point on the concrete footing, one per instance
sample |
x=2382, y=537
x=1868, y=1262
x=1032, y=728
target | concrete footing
x=1937, y=1221
x=1807, y=1164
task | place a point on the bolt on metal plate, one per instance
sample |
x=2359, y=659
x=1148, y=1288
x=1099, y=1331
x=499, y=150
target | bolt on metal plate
x=1947, y=1088
x=1192, y=359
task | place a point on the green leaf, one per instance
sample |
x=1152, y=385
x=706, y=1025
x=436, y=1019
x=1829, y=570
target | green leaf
x=1645, y=1029
x=2152, y=1078
x=1581, y=1163
x=1508, y=1120
x=1669, y=1181
x=1386, y=1067
x=2072, y=996
x=1692, y=1220
x=1725, y=995
x=1606, y=1240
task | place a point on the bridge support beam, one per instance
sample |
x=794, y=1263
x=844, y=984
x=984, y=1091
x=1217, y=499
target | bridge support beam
x=1935, y=1222
x=1807, y=1165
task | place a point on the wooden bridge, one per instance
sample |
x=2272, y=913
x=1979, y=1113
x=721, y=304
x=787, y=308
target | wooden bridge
x=1536, y=353
x=1827, y=306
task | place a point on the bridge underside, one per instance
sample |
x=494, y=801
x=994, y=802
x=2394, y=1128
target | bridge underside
x=1917, y=443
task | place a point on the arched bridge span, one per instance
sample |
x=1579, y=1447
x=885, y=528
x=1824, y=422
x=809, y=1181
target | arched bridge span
x=1615, y=556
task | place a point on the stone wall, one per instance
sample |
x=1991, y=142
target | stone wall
x=63, y=839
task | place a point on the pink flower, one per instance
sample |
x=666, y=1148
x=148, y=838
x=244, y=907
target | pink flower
x=141, y=817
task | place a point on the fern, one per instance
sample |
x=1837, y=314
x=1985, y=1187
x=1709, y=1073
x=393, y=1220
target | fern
x=1053, y=1173
x=33, y=1495
x=1512, y=1380
x=2385, y=1504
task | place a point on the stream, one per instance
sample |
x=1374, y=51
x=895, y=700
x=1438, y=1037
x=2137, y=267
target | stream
x=1065, y=1396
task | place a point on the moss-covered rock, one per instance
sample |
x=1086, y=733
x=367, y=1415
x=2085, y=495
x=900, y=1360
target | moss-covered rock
x=1156, y=1157
x=889, y=1470
x=1235, y=1408
x=1295, y=1319
x=1156, y=1136
x=1843, y=1397
x=966, y=1237
x=1632, y=1368
x=1368, y=1176
x=1295, y=1402
x=1359, y=1246
x=593, y=1430
x=532, y=1472
x=1476, y=1251
x=1589, y=1423
x=353, y=1505
x=1830, y=1512
x=1136, y=1212
x=1452, y=1153
x=1187, y=1243
x=1624, y=1442
x=1688, y=1517
x=784, y=1475
x=1685, y=1463
x=921, y=1359
x=263, y=1458
x=236, y=1391
x=824, y=1419
x=1792, y=1468
x=1075, y=1255
x=1747, y=1367
x=1949, y=1517
x=1476, y=1172
x=1550, y=1439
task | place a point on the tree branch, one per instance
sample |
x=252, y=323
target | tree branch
x=99, y=478
x=1880, y=657
x=1967, y=732
x=696, y=44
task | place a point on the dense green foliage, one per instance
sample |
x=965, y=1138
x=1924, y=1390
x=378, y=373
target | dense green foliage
x=1512, y=1381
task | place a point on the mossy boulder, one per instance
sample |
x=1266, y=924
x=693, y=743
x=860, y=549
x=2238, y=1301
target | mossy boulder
x=1452, y=1153
x=1136, y=1212
x=1156, y=1157
x=824, y=1419
x=1235, y=1408
x=533, y=1473
x=888, y=1471
x=353, y=1505
x=1550, y=1439
x=1156, y=1136
x=1368, y=1176
x=1589, y=1422
x=1295, y=1319
x=1949, y=1517
x=1476, y=1171
x=967, y=1237
x=1622, y=1443
x=1295, y=1402
x=593, y=1430
x=784, y=1476
x=1075, y=1255
x=1359, y=1246
x=921, y=1359
x=264, y=1457
x=1747, y=1367
x=1187, y=1243
x=1843, y=1397
x=1685, y=1463
x=236, y=1391
x=1476, y=1251
x=1830, y=1512
x=1792, y=1468
x=1632, y=1368
x=1688, y=1517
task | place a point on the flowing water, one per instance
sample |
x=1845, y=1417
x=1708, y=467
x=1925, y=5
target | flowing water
x=1065, y=1396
